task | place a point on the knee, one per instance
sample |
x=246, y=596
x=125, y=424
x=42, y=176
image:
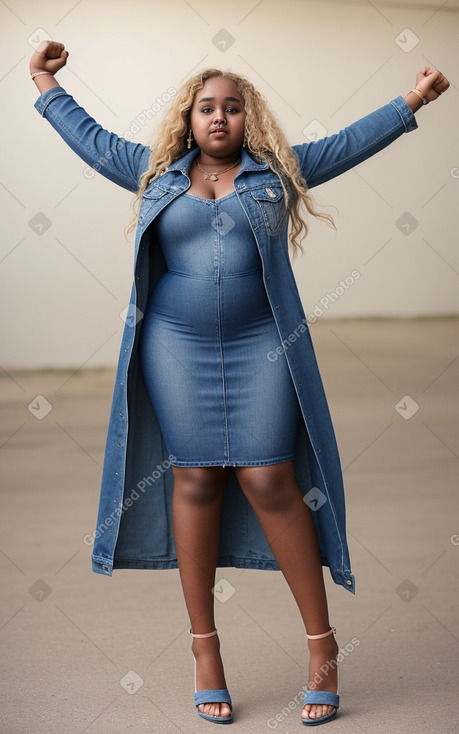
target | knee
x=197, y=486
x=265, y=496
x=267, y=490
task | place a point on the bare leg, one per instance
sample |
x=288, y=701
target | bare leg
x=196, y=512
x=289, y=529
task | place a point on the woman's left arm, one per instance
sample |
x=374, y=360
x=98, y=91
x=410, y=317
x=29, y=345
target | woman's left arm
x=329, y=157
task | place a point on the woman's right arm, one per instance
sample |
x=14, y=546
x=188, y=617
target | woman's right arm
x=116, y=158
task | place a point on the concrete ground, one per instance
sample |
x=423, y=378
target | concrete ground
x=83, y=653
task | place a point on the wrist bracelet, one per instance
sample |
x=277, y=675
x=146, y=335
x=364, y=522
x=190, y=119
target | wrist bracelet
x=420, y=95
x=37, y=73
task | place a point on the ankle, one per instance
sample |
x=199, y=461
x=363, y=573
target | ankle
x=323, y=665
x=327, y=645
x=202, y=647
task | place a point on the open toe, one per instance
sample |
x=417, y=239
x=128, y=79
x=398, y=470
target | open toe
x=323, y=705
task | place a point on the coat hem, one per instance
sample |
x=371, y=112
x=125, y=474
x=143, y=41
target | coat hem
x=106, y=567
x=224, y=562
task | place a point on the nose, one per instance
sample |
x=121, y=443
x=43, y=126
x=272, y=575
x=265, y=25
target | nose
x=220, y=118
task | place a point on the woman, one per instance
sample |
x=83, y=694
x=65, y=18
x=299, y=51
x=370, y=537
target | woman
x=217, y=373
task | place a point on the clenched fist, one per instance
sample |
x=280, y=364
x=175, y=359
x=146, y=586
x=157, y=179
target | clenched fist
x=48, y=56
x=431, y=83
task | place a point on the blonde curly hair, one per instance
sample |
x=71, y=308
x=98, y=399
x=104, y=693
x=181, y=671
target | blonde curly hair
x=263, y=138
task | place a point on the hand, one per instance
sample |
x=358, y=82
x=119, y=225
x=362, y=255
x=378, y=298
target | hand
x=431, y=83
x=48, y=56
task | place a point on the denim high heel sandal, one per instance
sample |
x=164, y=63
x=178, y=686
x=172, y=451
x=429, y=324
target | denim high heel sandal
x=217, y=695
x=326, y=698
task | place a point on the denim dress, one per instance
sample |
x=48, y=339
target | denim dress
x=134, y=522
x=207, y=334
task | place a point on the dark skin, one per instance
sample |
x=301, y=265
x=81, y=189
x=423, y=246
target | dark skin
x=217, y=106
x=288, y=526
x=271, y=490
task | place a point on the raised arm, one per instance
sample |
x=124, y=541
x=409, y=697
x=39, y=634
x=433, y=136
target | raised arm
x=116, y=158
x=329, y=157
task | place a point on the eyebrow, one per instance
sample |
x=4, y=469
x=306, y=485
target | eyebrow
x=227, y=99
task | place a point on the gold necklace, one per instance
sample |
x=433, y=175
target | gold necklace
x=213, y=175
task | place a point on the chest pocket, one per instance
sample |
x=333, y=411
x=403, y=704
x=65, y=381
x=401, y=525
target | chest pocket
x=153, y=192
x=270, y=201
x=153, y=200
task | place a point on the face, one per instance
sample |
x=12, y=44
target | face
x=217, y=117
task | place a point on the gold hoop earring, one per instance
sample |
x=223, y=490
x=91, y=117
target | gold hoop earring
x=189, y=140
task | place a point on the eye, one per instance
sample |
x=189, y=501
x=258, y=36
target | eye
x=230, y=110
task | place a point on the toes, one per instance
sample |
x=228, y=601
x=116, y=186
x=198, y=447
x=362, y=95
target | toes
x=316, y=711
x=225, y=710
x=218, y=710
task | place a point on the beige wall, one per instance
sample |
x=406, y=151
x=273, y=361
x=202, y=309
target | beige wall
x=62, y=291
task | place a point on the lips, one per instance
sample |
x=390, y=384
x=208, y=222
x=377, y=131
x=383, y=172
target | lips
x=219, y=131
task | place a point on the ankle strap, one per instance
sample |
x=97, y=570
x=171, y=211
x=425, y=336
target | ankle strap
x=331, y=631
x=208, y=634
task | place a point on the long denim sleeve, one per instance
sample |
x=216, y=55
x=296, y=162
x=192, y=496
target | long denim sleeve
x=123, y=162
x=114, y=157
x=322, y=160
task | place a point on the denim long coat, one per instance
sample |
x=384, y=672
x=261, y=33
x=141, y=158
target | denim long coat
x=134, y=527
